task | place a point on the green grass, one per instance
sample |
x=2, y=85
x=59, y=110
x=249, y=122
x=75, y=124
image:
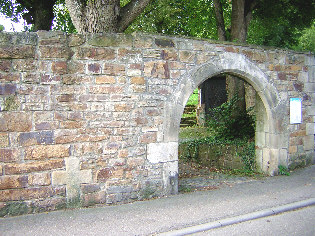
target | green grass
x=194, y=132
x=193, y=99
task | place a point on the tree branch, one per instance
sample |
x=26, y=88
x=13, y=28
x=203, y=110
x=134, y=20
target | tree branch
x=130, y=12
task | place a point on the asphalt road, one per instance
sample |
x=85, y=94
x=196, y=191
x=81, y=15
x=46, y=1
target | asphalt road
x=299, y=222
x=175, y=212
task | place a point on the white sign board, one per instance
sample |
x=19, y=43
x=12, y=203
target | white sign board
x=295, y=111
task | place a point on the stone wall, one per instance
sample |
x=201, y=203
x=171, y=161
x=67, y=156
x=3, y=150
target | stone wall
x=94, y=119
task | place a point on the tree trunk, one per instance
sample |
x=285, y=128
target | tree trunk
x=220, y=20
x=241, y=16
x=238, y=26
x=99, y=16
x=43, y=15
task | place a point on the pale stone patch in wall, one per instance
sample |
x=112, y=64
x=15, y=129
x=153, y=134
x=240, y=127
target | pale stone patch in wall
x=162, y=152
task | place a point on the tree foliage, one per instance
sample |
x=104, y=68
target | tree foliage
x=38, y=13
x=307, y=40
x=280, y=23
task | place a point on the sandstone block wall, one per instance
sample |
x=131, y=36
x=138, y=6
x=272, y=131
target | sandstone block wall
x=94, y=119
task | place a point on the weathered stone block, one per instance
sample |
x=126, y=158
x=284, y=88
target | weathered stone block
x=66, y=98
x=163, y=42
x=75, y=67
x=309, y=87
x=59, y=177
x=157, y=69
x=42, y=179
x=103, y=175
x=143, y=41
x=134, y=72
x=187, y=56
x=94, y=198
x=5, y=65
x=85, y=176
x=25, y=194
x=4, y=140
x=9, y=155
x=309, y=142
x=152, y=53
x=59, y=67
x=46, y=152
x=15, y=121
x=55, y=52
x=71, y=79
x=7, y=89
x=50, y=79
x=105, y=80
x=52, y=38
x=90, y=188
x=13, y=181
x=94, y=68
x=123, y=107
x=106, y=89
x=111, y=40
x=138, y=88
x=33, y=138
x=31, y=78
x=17, y=51
x=72, y=124
x=292, y=149
x=96, y=53
x=76, y=40
x=114, y=69
x=147, y=138
x=11, y=169
x=138, y=80
x=169, y=55
x=298, y=133
x=10, y=77
x=310, y=129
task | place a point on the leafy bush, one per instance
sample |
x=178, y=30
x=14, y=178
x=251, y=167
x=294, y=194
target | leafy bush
x=227, y=122
x=282, y=170
x=307, y=40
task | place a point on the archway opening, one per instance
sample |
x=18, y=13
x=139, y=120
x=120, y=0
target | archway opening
x=206, y=158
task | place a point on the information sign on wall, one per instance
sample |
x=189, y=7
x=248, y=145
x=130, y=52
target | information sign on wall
x=295, y=110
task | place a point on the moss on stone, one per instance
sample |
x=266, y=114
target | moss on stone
x=74, y=203
x=14, y=209
x=111, y=40
x=11, y=103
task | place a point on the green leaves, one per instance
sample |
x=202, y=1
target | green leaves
x=307, y=40
x=226, y=125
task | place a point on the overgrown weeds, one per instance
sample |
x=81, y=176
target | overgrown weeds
x=224, y=127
